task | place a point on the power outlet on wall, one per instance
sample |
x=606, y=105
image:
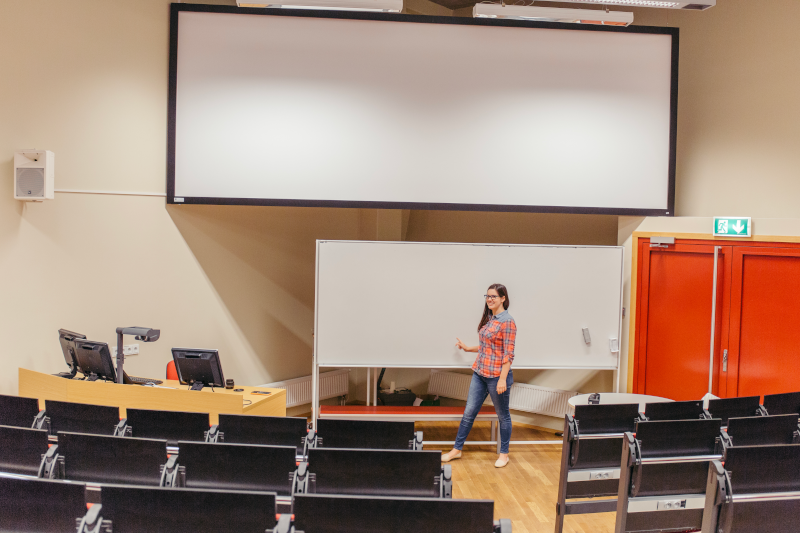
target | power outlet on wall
x=127, y=349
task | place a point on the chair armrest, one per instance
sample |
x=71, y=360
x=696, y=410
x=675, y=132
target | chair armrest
x=93, y=521
x=214, y=435
x=172, y=474
x=41, y=421
x=52, y=464
x=123, y=429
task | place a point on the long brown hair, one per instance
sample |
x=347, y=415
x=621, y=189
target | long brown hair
x=487, y=313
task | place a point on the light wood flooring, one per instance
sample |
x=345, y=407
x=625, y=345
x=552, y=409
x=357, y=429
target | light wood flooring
x=525, y=490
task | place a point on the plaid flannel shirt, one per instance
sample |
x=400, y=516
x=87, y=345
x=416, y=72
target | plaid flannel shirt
x=497, y=339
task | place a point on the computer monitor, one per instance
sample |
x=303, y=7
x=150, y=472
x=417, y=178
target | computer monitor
x=198, y=367
x=67, y=340
x=94, y=360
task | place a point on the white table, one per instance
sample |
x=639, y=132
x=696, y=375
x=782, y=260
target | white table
x=616, y=398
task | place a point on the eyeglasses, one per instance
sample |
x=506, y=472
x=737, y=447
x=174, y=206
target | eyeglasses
x=490, y=297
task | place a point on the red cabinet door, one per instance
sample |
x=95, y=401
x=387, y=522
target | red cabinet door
x=674, y=319
x=764, y=354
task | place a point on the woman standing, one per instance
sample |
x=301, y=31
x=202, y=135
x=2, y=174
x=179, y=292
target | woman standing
x=492, y=373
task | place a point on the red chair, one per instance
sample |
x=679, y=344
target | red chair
x=172, y=373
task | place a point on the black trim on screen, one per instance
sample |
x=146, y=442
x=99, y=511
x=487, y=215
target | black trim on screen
x=673, y=121
x=175, y=9
x=172, y=100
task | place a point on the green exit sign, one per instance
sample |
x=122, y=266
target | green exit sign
x=732, y=226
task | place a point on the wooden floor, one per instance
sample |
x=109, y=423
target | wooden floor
x=525, y=490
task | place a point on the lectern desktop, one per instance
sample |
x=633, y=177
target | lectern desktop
x=171, y=396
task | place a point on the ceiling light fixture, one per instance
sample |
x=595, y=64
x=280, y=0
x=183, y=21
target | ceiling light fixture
x=385, y=6
x=553, y=14
x=697, y=5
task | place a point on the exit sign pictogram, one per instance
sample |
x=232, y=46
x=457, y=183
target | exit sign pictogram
x=732, y=226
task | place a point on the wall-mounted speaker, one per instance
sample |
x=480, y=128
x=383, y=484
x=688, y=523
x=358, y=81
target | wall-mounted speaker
x=34, y=177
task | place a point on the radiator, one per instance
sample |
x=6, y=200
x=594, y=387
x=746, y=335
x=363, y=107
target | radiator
x=298, y=390
x=542, y=400
x=529, y=398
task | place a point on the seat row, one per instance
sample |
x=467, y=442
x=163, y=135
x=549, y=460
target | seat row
x=660, y=478
x=175, y=426
x=136, y=461
x=44, y=506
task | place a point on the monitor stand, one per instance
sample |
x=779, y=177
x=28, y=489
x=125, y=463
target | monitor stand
x=196, y=386
x=67, y=375
x=92, y=377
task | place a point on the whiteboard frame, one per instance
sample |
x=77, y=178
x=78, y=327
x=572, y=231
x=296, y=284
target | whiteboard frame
x=316, y=366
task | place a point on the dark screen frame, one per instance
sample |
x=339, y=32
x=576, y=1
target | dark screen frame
x=179, y=355
x=177, y=8
x=99, y=360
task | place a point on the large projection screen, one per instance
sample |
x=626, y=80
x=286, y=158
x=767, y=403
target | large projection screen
x=291, y=107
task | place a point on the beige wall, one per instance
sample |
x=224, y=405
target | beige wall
x=88, y=80
x=739, y=115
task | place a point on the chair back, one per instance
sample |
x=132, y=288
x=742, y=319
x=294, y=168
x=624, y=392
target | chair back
x=171, y=426
x=269, y=430
x=18, y=411
x=238, y=466
x=782, y=404
x=21, y=450
x=725, y=408
x=367, y=434
x=101, y=459
x=375, y=472
x=162, y=510
x=316, y=513
x=762, y=430
x=691, y=410
x=172, y=372
x=39, y=505
x=81, y=417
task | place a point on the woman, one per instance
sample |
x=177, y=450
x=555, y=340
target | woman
x=491, y=371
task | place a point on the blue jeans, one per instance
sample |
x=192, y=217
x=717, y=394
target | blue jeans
x=479, y=388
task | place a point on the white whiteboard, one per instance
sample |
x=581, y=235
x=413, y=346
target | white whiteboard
x=315, y=109
x=402, y=304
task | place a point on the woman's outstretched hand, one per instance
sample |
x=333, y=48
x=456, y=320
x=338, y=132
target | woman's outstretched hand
x=461, y=346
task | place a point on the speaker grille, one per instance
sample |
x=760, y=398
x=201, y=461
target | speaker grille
x=30, y=182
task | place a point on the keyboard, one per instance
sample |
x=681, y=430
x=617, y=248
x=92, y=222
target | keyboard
x=134, y=379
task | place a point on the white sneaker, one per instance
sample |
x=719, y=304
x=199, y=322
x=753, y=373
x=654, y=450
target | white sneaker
x=500, y=463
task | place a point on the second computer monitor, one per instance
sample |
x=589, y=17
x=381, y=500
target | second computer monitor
x=198, y=367
x=94, y=359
